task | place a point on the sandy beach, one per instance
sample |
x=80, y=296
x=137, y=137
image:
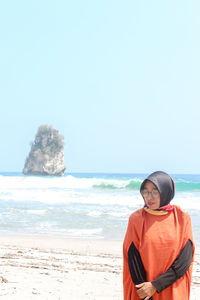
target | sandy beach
x=53, y=268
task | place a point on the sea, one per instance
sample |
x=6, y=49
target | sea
x=82, y=205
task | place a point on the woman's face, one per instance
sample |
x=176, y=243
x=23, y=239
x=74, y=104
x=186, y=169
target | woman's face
x=151, y=195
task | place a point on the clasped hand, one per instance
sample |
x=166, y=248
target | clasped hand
x=145, y=290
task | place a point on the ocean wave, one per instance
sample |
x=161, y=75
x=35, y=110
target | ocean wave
x=118, y=184
x=66, y=182
x=129, y=199
x=183, y=185
x=76, y=183
x=87, y=191
x=70, y=197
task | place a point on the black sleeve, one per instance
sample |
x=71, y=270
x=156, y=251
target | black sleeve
x=136, y=267
x=135, y=264
x=177, y=269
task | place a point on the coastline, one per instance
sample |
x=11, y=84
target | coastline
x=36, y=267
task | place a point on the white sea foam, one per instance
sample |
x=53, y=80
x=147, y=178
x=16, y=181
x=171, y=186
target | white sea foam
x=65, y=182
x=89, y=233
x=69, y=196
x=95, y=213
x=36, y=211
x=188, y=202
x=120, y=214
x=128, y=199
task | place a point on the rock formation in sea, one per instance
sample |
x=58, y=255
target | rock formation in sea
x=46, y=156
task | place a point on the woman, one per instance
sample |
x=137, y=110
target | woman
x=158, y=248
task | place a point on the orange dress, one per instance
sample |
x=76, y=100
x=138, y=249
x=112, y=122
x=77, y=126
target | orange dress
x=159, y=240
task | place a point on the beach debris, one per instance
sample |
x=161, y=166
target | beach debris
x=3, y=279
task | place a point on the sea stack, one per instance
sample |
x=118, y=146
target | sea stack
x=46, y=157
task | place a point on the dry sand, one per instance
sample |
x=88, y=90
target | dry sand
x=53, y=268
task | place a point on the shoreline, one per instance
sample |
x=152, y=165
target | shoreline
x=35, y=267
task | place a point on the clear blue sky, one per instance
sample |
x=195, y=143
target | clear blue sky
x=119, y=79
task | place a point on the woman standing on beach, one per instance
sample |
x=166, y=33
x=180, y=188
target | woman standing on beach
x=158, y=248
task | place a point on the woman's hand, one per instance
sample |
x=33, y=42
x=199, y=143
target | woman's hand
x=145, y=290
